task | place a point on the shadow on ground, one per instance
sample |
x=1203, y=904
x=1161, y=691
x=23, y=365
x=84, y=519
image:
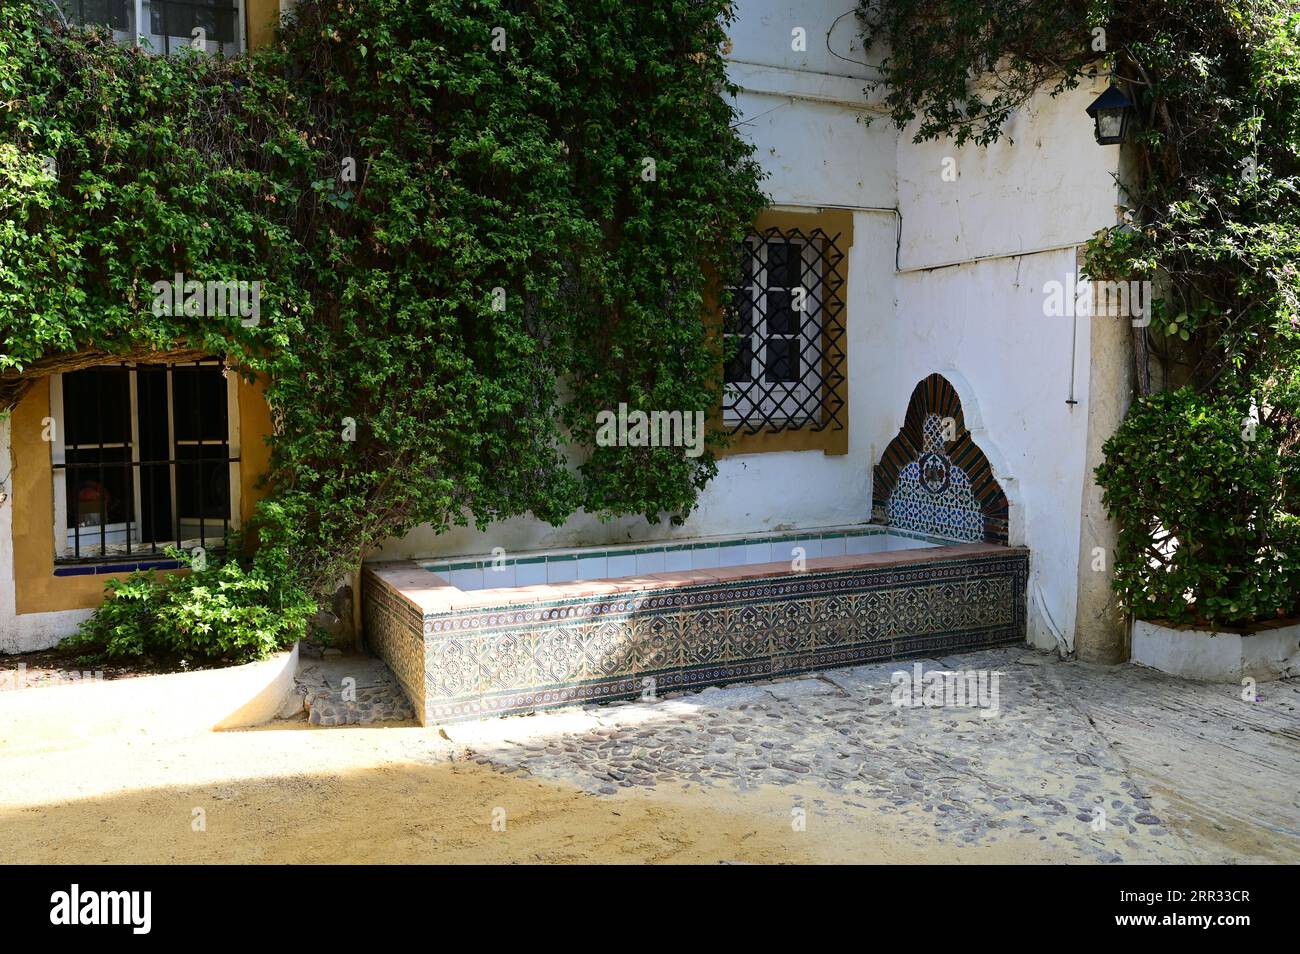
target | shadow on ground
x=820, y=768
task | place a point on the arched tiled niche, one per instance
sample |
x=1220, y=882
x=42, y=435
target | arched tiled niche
x=933, y=478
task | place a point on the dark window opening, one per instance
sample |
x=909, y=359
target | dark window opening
x=170, y=23
x=146, y=461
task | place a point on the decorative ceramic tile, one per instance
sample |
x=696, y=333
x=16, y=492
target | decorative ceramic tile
x=593, y=568
x=521, y=657
x=621, y=565
x=677, y=559
x=531, y=573
x=650, y=562
x=467, y=579
x=561, y=571
x=932, y=477
x=394, y=629
x=833, y=545
x=704, y=557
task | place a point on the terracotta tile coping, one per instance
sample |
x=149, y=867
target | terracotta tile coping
x=430, y=593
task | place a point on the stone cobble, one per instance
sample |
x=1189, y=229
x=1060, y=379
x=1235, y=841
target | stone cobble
x=381, y=704
x=839, y=744
x=348, y=690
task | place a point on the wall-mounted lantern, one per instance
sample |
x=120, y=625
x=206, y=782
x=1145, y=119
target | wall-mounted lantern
x=1111, y=112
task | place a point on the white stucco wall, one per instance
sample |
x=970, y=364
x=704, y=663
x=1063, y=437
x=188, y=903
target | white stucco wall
x=1045, y=184
x=1013, y=216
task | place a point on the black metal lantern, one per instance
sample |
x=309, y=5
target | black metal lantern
x=1111, y=112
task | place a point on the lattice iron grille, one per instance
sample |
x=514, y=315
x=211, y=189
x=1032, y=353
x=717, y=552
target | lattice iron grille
x=783, y=323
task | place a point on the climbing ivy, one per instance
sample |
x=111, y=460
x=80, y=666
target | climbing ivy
x=476, y=225
x=1213, y=224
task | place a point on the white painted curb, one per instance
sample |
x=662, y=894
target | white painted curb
x=1215, y=656
x=162, y=706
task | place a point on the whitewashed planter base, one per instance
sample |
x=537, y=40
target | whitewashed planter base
x=1218, y=657
x=161, y=706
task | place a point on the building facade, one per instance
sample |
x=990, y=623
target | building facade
x=923, y=383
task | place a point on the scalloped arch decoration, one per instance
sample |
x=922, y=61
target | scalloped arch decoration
x=933, y=478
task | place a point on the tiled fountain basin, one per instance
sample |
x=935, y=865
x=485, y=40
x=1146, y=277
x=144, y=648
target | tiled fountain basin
x=463, y=653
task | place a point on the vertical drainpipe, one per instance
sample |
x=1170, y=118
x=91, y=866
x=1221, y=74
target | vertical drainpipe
x=139, y=21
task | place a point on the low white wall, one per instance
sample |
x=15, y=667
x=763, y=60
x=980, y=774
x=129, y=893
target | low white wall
x=170, y=705
x=1218, y=657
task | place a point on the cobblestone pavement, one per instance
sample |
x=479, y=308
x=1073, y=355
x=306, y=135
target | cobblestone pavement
x=1114, y=764
x=346, y=690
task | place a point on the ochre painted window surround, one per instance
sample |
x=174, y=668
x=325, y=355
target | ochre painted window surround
x=37, y=589
x=145, y=457
x=787, y=415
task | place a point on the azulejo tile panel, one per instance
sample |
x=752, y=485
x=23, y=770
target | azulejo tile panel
x=467, y=663
x=933, y=478
x=395, y=630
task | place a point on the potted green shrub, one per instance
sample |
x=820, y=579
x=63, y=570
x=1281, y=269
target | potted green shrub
x=1208, y=557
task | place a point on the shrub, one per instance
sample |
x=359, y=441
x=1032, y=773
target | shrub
x=1199, y=495
x=227, y=612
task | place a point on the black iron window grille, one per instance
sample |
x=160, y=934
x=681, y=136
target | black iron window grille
x=784, y=333
x=143, y=458
x=171, y=23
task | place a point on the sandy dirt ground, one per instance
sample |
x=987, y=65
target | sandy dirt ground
x=815, y=769
x=294, y=793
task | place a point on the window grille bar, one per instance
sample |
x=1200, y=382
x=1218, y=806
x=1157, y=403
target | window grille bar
x=91, y=433
x=99, y=433
x=784, y=328
x=198, y=467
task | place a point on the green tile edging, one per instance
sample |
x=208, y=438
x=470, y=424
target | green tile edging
x=446, y=565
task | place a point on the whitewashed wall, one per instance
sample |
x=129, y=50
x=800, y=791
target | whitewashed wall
x=1013, y=217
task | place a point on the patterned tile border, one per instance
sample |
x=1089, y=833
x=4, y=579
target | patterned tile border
x=607, y=640
x=394, y=630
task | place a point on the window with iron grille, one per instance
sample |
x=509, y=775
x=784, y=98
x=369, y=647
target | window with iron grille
x=784, y=334
x=144, y=456
x=172, y=24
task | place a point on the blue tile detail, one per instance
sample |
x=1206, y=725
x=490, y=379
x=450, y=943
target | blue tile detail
x=94, y=569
